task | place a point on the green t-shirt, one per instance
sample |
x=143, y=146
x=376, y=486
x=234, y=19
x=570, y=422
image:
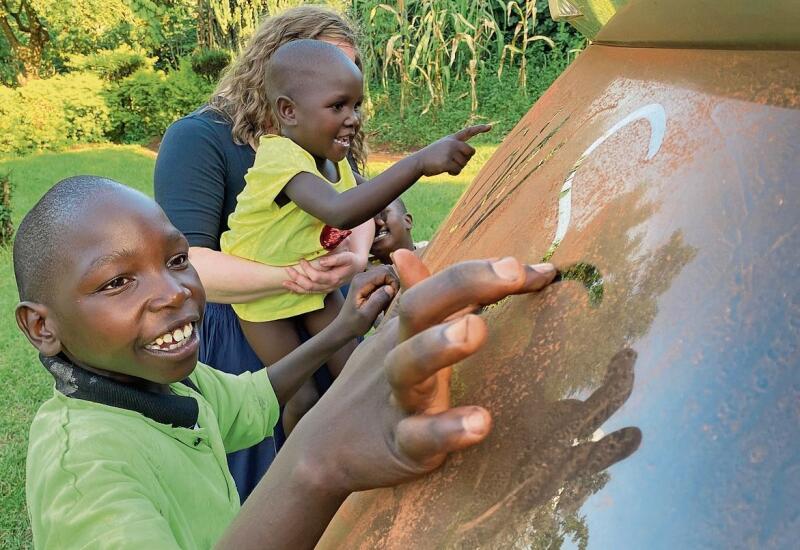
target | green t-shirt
x=100, y=476
x=264, y=232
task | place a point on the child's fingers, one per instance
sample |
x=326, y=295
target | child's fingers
x=460, y=158
x=466, y=149
x=364, y=284
x=427, y=439
x=409, y=267
x=412, y=365
x=471, y=131
x=478, y=281
x=377, y=301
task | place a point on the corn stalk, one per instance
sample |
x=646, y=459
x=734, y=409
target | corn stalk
x=520, y=39
x=431, y=44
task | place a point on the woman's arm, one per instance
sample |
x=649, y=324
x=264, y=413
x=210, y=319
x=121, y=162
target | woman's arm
x=232, y=280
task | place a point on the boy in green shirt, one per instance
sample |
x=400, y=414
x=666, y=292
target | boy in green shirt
x=130, y=451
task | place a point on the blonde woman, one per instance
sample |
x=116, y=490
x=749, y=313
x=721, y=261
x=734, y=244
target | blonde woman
x=199, y=174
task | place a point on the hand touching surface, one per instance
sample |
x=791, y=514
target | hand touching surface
x=391, y=404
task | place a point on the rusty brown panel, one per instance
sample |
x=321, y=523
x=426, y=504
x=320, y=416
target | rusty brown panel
x=682, y=173
x=728, y=24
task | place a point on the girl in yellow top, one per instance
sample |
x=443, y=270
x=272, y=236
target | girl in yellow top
x=301, y=195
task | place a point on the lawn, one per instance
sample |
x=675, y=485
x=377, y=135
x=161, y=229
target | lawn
x=24, y=385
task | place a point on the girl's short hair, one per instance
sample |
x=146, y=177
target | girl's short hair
x=241, y=94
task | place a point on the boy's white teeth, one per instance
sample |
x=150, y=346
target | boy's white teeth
x=172, y=340
x=343, y=141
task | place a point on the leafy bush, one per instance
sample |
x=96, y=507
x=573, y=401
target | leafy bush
x=6, y=224
x=210, y=63
x=49, y=114
x=136, y=105
x=114, y=64
x=186, y=91
x=145, y=103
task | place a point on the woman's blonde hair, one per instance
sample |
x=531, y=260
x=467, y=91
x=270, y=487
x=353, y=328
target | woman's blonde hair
x=241, y=95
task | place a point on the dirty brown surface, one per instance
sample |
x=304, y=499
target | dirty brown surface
x=690, y=213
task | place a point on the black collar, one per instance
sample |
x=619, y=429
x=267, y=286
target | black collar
x=73, y=381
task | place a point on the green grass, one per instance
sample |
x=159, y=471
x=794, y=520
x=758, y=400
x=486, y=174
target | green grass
x=24, y=385
x=430, y=200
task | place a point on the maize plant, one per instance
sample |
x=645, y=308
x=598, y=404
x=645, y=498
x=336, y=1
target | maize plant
x=429, y=44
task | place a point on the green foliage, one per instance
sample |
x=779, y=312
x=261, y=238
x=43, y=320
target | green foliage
x=84, y=26
x=228, y=23
x=170, y=28
x=210, y=63
x=48, y=114
x=112, y=65
x=427, y=48
x=500, y=102
x=145, y=103
x=6, y=225
x=9, y=67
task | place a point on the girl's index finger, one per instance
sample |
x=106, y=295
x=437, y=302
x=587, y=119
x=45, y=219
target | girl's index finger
x=471, y=131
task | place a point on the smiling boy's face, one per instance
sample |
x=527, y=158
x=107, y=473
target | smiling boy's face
x=392, y=232
x=127, y=303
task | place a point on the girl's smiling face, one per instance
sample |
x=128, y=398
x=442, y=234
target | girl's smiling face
x=327, y=113
x=128, y=302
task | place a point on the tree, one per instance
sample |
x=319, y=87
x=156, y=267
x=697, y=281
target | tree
x=228, y=23
x=25, y=32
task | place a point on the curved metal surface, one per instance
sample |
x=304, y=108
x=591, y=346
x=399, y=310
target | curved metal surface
x=683, y=173
x=728, y=24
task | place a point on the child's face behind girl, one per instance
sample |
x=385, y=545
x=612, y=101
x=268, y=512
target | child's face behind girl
x=327, y=114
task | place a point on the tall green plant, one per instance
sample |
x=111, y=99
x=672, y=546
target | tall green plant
x=427, y=45
x=6, y=225
x=525, y=16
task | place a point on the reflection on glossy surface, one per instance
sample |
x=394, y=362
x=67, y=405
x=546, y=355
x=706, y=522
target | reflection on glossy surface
x=586, y=274
x=698, y=248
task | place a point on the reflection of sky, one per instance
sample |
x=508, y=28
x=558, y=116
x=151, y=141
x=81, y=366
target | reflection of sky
x=717, y=377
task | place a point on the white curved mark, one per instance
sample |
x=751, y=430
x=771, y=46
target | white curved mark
x=654, y=113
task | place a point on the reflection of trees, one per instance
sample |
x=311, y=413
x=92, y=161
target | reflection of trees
x=564, y=467
x=633, y=281
x=524, y=487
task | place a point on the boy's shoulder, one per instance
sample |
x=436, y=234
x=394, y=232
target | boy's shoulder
x=72, y=431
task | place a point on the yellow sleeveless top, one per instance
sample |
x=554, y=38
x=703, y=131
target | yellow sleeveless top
x=262, y=231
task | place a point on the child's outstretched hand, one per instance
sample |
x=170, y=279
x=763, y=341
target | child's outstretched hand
x=451, y=153
x=387, y=418
x=370, y=293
